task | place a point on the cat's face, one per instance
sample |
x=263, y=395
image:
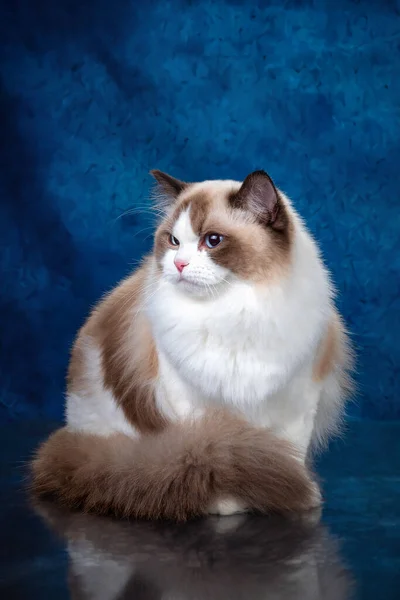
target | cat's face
x=218, y=231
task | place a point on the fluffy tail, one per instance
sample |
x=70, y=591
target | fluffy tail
x=176, y=474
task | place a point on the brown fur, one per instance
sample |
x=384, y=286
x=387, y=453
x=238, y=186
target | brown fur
x=334, y=350
x=327, y=352
x=161, y=240
x=77, y=377
x=247, y=251
x=129, y=368
x=176, y=474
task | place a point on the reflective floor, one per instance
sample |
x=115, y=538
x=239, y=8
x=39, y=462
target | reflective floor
x=352, y=551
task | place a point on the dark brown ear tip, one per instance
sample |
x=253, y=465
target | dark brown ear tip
x=260, y=173
x=261, y=177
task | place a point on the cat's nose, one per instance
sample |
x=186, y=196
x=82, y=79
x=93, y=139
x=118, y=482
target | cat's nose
x=180, y=264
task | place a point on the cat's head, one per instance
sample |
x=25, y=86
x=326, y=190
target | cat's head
x=218, y=231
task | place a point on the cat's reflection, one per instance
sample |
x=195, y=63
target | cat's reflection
x=246, y=558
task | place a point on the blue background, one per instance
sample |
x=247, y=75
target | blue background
x=95, y=93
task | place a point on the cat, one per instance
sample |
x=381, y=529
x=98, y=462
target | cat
x=203, y=381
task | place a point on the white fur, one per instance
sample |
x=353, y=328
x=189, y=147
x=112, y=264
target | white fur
x=96, y=410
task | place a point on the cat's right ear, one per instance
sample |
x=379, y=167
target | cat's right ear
x=168, y=187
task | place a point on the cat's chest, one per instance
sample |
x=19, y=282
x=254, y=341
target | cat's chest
x=219, y=351
x=191, y=341
x=214, y=365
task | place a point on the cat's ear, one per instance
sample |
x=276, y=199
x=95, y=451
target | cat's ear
x=259, y=195
x=168, y=187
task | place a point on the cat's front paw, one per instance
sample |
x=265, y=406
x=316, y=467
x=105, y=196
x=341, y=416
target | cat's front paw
x=227, y=506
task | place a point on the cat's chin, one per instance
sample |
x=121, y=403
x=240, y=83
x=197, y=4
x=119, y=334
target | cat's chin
x=196, y=289
x=193, y=288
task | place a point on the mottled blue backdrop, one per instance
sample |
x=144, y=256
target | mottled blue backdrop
x=94, y=93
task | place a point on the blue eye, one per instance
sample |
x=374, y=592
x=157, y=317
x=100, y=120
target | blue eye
x=173, y=241
x=213, y=239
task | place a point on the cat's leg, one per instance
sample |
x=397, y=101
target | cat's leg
x=227, y=506
x=298, y=431
x=294, y=418
x=175, y=398
x=295, y=423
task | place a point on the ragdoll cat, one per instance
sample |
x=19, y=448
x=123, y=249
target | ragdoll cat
x=201, y=382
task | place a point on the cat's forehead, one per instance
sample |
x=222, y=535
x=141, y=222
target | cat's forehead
x=202, y=204
x=183, y=228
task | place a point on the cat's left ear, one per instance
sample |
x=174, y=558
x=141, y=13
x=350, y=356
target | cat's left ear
x=169, y=187
x=259, y=195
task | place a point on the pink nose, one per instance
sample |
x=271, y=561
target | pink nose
x=180, y=264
